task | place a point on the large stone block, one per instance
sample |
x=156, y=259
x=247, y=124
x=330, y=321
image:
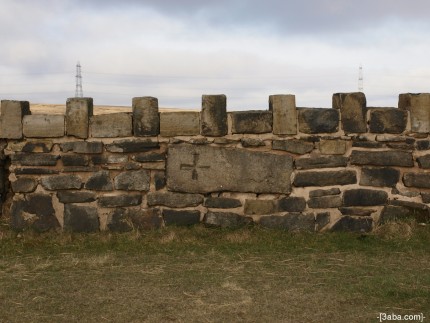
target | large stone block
x=252, y=142
x=353, y=224
x=324, y=202
x=214, y=115
x=133, y=181
x=284, y=112
x=260, y=207
x=39, y=146
x=120, y=200
x=400, y=213
x=222, y=203
x=12, y=113
x=79, y=218
x=132, y=146
x=318, y=120
x=146, y=118
x=25, y=159
x=424, y=161
x=83, y=147
x=382, y=158
x=99, y=181
x=74, y=160
x=325, y=178
x=76, y=197
x=203, y=169
x=353, y=110
x=295, y=146
x=321, y=162
x=388, y=120
x=226, y=220
x=419, y=107
x=292, y=204
x=185, y=123
x=171, y=199
x=290, y=222
x=78, y=112
x=379, y=176
x=420, y=180
x=43, y=126
x=111, y=125
x=251, y=122
x=328, y=192
x=181, y=217
x=332, y=147
x=24, y=185
x=364, y=197
x=61, y=182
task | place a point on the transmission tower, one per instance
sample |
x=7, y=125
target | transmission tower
x=78, y=92
x=360, y=79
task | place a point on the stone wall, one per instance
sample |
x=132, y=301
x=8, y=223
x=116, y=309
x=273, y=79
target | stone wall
x=345, y=168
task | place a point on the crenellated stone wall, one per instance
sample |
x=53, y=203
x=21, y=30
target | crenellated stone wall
x=346, y=168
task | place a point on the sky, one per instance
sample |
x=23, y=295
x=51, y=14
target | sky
x=178, y=50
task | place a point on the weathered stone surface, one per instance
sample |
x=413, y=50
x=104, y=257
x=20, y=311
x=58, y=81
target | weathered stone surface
x=12, y=113
x=252, y=142
x=388, y=120
x=356, y=211
x=150, y=157
x=379, y=176
x=325, y=202
x=367, y=144
x=423, y=144
x=214, y=115
x=99, y=181
x=118, y=221
x=328, y=192
x=424, y=161
x=294, y=146
x=120, y=200
x=332, y=147
x=392, y=138
x=177, y=200
x=203, y=169
x=83, y=147
x=146, y=118
x=159, y=180
x=325, y=178
x=251, y=122
x=40, y=146
x=33, y=171
x=291, y=204
x=222, y=203
x=398, y=213
x=61, y=182
x=132, y=146
x=284, y=112
x=181, y=218
x=43, y=126
x=78, y=112
x=290, y=222
x=111, y=125
x=224, y=141
x=25, y=159
x=185, y=123
x=79, y=218
x=321, y=220
x=260, y=207
x=226, y=220
x=318, y=120
x=321, y=162
x=145, y=219
x=425, y=197
x=382, y=158
x=74, y=160
x=364, y=197
x=419, y=107
x=421, y=180
x=76, y=197
x=133, y=181
x=400, y=145
x=24, y=185
x=80, y=169
x=109, y=159
x=353, y=224
x=353, y=110
x=35, y=211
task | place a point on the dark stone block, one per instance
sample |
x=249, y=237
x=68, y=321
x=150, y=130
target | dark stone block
x=79, y=218
x=321, y=162
x=76, y=197
x=328, y=192
x=61, y=182
x=145, y=219
x=420, y=180
x=181, y=218
x=34, y=159
x=34, y=171
x=146, y=118
x=150, y=157
x=400, y=212
x=321, y=220
x=109, y=159
x=356, y=211
x=222, y=203
x=252, y=142
x=312, y=120
x=118, y=221
x=137, y=180
x=353, y=110
x=388, y=120
x=74, y=160
x=424, y=161
x=24, y=185
x=37, y=147
x=251, y=122
x=99, y=181
x=364, y=197
x=423, y=144
x=425, y=197
x=379, y=176
x=176, y=200
x=132, y=146
x=159, y=180
x=400, y=145
x=260, y=207
x=290, y=222
x=367, y=144
x=325, y=178
x=213, y=118
x=324, y=202
x=294, y=146
x=353, y=224
x=120, y=200
x=226, y=220
x=80, y=169
x=83, y=147
x=382, y=158
x=292, y=204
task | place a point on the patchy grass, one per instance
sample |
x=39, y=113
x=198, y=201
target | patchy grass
x=211, y=275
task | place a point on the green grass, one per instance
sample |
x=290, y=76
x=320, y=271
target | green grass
x=212, y=275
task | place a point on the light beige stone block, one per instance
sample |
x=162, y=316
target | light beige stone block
x=43, y=126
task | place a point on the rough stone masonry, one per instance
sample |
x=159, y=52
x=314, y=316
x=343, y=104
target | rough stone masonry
x=348, y=167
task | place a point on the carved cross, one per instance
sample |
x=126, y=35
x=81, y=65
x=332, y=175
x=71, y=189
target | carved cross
x=194, y=166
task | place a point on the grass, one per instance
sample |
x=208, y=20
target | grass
x=211, y=275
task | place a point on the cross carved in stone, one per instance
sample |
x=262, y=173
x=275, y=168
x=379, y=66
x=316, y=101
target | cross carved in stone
x=194, y=166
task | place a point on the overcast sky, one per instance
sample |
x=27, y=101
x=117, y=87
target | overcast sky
x=177, y=50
